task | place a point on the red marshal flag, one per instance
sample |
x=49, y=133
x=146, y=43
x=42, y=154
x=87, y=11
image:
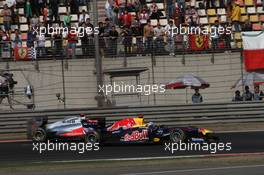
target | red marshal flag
x=21, y=53
x=198, y=42
x=253, y=45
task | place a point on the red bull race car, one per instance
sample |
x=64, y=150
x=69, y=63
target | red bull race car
x=128, y=130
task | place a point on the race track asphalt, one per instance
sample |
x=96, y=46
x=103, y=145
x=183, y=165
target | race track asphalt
x=242, y=142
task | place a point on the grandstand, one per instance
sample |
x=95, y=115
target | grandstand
x=251, y=11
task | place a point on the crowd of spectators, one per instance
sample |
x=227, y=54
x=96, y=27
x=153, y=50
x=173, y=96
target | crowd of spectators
x=128, y=21
x=247, y=95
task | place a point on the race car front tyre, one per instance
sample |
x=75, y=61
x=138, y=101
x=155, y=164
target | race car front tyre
x=211, y=138
x=40, y=135
x=177, y=135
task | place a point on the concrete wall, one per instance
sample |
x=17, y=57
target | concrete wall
x=80, y=80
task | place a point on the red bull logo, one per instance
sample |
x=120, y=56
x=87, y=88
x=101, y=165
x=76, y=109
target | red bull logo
x=136, y=136
x=125, y=123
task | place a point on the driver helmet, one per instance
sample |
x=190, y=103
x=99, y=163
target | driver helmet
x=83, y=116
x=150, y=124
x=140, y=115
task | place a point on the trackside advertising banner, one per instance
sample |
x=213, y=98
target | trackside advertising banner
x=253, y=44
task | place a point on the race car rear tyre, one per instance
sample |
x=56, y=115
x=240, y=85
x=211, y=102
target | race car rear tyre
x=92, y=137
x=40, y=135
x=177, y=135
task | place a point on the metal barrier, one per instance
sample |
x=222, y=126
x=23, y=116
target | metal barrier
x=16, y=122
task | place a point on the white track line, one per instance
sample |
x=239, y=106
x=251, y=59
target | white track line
x=239, y=131
x=155, y=158
x=195, y=170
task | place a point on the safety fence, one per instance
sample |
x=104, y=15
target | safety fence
x=72, y=83
x=122, y=46
x=12, y=123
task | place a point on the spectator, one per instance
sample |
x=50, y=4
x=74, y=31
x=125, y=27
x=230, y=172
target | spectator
x=109, y=7
x=191, y=16
x=126, y=19
x=154, y=11
x=67, y=19
x=170, y=7
x=210, y=4
x=54, y=6
x=74, y=5
x=247, y=95
x=57, y=43
x=237, y=96
x=34, y=7
x=107, y=26
x=113, y=36
x=45, y=14
x=222, y=4
x=115, y=14
x=90, y=36
x=15, y=15
x=142, y=1
x=30, y=38
x=127, y=39
x=83, y=17
x=28, y=10
x=247, y=26
x=34, y=21
x=6, y=13
x=101, y=35
x=1, y=41
x=170, y=39
x=137, y=6
x=5, y=44
x=72, y=41
x=17, y=41
x=235, y=16
x=148, y=36
x=258, y=95
x=41, y=50
x=181, y=6
x=226, y=36
x=178, y=16
x=143, y=17
x=158, y=33
x=40, y=6
x=20, y=3
x=197, y=97
x=84, y=39
x=215, y=34
x=137, y=33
